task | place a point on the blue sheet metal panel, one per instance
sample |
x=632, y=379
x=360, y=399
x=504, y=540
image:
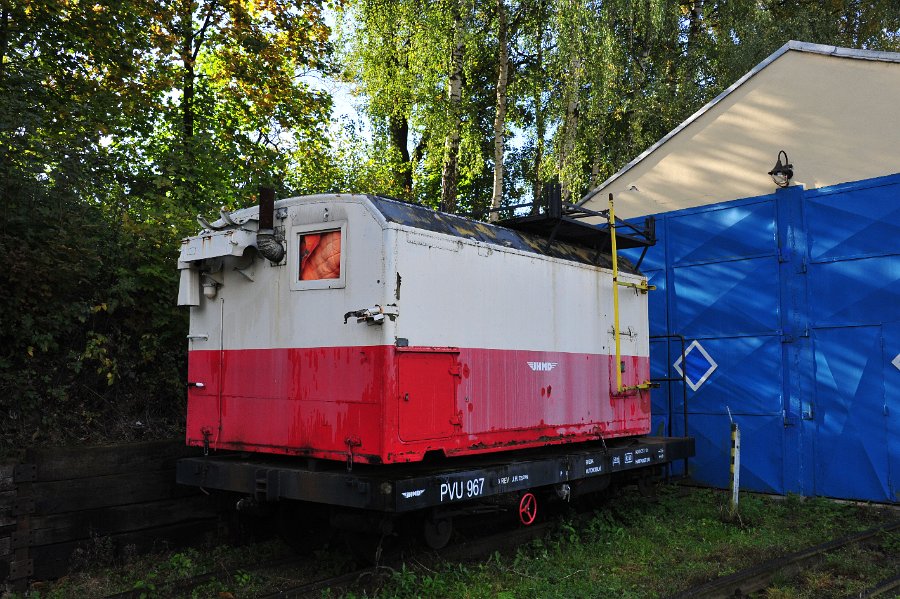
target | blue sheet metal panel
x=747, y=378
x=725, y=298
x=851, y=292
x=676, y=391
x=796, y=355
x=775, y=290
x=761, y=451
x=851, y=453
x=891, y=358
x=854, y=220
x=658, y=312
x=655, y=258
x=739, y=230
x=659, y=358
x=659, y=425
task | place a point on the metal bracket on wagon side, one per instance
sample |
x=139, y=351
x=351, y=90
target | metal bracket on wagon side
x=373, y=315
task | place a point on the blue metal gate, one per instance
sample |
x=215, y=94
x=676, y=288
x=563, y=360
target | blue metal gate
x=790, y=304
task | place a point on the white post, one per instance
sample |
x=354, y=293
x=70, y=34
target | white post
x=735, y=466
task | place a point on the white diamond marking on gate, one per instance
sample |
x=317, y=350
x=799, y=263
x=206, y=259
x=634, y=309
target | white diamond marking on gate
x=711, y=366
x=896, y=362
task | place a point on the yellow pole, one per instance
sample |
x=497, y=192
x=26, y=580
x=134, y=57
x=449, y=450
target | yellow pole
x=615, y=283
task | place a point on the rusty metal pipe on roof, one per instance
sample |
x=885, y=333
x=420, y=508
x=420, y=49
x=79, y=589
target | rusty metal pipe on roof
x=266, y=243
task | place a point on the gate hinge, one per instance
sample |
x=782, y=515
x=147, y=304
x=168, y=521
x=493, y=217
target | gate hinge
x=25, y=473
x=21, y=538
x=21, y=569
x=23, y=506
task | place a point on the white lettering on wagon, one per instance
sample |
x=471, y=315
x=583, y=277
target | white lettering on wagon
x=411, y=494
x=642, y=451
x=517, y=478
x=542, y=366
x=462, y=489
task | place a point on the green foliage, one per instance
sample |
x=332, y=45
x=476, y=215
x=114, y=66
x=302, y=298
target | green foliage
x=119, y=122
x=592, y=83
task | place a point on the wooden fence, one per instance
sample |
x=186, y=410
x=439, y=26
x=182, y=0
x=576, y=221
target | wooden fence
x=96, y=502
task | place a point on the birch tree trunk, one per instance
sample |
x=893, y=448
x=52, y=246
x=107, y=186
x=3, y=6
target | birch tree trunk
x=500, y=112
x=4, y=38
x=188, y=185
x=540, y=129
x=595, y=162
x=450, y=172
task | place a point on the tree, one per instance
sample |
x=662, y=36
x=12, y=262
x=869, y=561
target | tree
x=450, y=172
x=119, y=121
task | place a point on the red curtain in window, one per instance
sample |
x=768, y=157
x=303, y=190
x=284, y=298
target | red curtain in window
x=320, y=256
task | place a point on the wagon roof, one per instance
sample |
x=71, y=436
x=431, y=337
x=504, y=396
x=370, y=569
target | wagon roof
x=420, y=217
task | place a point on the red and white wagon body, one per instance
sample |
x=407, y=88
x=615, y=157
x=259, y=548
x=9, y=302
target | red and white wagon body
x=461, y=337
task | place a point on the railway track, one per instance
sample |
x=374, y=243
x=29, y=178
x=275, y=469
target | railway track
x=467, y=549
x=739, y=584
x=759, y=577
x=471, y=549
x=888, y=584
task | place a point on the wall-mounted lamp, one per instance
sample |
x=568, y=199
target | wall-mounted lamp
x=210, y=287
x=782, y=171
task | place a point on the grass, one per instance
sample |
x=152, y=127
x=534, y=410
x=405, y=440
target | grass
x=631, y=547
x=635, y=548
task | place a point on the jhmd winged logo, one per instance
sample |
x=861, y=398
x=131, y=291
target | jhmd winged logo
x=542, y=366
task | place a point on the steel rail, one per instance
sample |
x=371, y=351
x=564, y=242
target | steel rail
x=888, y=584
x=167, y=588
x=468, y=550
x=757, y=578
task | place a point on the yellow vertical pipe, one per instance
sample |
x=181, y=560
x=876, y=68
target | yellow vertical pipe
x=615, y=283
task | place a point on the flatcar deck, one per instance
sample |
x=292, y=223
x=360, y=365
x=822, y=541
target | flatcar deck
x=408, y=487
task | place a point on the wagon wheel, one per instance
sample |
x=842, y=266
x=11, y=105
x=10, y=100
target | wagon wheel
x=437, y=532
x=528, y=509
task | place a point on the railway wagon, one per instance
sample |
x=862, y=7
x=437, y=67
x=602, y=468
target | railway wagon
x=369, y=330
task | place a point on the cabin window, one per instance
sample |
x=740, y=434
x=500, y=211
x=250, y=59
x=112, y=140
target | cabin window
x=320, y=256
x=317, y=256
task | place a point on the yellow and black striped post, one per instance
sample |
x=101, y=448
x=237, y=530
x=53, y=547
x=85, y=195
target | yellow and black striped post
x=735, y=466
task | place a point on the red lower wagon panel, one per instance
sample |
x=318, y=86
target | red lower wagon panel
x=388, y=404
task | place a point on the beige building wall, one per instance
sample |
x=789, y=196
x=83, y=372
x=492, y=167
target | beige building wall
x=837, y=118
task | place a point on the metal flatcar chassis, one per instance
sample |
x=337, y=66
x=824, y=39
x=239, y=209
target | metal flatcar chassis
x=406, y=488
